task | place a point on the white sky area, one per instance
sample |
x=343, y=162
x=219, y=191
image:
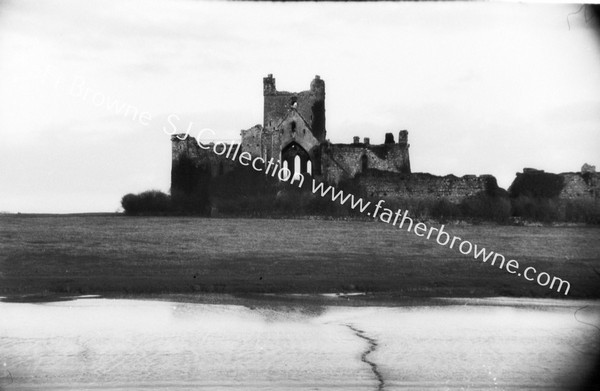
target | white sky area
x=482, y=88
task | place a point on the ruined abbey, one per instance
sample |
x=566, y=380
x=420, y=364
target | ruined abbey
x=293, y=139
x=293, y=134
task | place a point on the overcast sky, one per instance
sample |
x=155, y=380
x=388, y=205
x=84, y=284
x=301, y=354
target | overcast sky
x=482, y=88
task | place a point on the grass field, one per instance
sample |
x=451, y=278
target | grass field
x=114, y=255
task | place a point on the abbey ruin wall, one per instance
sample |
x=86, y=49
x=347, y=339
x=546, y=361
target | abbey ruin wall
x=577, y=185
x=188, y=151
x=252, y=140
x=344, y=161
x=420, y=185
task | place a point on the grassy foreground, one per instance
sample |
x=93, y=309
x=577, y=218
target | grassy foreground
x=114, y=255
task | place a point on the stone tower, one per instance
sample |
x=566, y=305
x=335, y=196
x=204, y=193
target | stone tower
x=309, y=104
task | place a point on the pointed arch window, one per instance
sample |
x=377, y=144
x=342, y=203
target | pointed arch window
x=296, y=159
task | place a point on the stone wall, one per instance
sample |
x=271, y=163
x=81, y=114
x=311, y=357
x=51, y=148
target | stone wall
x=565, y=186
x=379, y=184
x=271, y=144
x=252, y=140
x=344, y=161
x=295, y=129
x=189, y=160
x=386, y=174
x=579, y=185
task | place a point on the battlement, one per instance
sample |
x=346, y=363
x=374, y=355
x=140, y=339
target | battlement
x=389, y=140
x=269, y=85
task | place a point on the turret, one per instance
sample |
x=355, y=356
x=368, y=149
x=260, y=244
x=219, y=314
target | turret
x=403, y=137
x=317, y=86
x=317, y=108
x=269, y=85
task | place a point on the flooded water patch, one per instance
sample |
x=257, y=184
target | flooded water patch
x=125, y=344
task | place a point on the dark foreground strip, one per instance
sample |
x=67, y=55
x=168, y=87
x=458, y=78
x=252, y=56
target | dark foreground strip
x=372, y=346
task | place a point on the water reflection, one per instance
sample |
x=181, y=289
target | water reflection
x=476, y=344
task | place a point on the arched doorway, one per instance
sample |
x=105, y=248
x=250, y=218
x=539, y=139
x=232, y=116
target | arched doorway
x=296, y=159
